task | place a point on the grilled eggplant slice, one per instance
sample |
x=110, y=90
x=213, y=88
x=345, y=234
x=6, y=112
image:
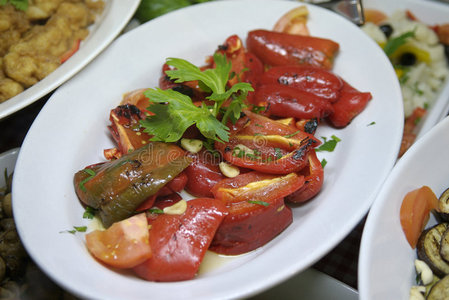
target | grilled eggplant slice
x=443, y=212
x=439, y=290
x=428, y=249
x=444, y=247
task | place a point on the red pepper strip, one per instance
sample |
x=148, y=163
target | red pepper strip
x=179, y=242
x=71, y=51
x=275, y=148
x=286, y=101
x=276, y=49
x=314, y=177
x=307, y=125
x=125, y=128
x=203, y=173
x=348, y=106
x=256, y=210
x=317, y=81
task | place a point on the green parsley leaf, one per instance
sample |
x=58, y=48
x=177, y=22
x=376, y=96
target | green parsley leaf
x=372, y=123
x=328, y=145
x=172, y=120
x=292, y=135
x=175, y=112
x=18, y=4
x=263, y=203
x=394, y=43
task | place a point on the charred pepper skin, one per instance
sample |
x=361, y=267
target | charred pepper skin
x=118, y=187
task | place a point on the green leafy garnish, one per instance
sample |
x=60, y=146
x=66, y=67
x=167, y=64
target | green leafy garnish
x=323, y=162
x=372, y=123
x=156, y=211
x=19, y=4
x=76, y=229
x=292, y=135
x=394, y=43
x=89, y=172
x=259, y=202
x=174, y=112
x=328, y=145
x=89, y=213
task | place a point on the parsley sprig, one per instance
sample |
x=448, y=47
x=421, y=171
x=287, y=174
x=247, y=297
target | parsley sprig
x=174, y=112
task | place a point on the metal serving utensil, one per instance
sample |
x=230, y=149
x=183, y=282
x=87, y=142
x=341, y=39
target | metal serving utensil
x=350, y=9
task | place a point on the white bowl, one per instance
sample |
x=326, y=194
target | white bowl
x=386, y=269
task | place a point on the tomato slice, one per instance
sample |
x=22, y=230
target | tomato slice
x=179, y=242
x=123, y=245
x=415, y=212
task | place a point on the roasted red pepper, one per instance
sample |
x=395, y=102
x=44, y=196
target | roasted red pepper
x=262, y=144
x=276, y=49
x=317, y=81
x=203, y=173
x=314, y=177
x=256, y=210
x=125, y=128
x=286, y=101
x=350, y=103
x=179, y=241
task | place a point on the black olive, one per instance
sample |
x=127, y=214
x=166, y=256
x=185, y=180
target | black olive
x=407, y=59
x=386, y=29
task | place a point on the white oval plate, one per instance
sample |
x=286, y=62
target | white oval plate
x=66, y=137
x=116, y=15
x=386, y=269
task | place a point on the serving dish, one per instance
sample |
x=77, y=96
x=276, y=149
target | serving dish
x=115, y=16
x=384, y=245
x=62, y=141
x=430, y=13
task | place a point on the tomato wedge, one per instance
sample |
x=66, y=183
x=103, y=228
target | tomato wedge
x=123, y=245
x=179, y=242
x=415, y=212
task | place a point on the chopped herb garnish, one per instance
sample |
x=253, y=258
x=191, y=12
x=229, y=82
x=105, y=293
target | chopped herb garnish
x=75, y=229
x=323, y=162
x=394, y=43
x=277, y=153
x=175, y=112
x=91, y=174
x=89, y=213
x=257, y=109
x=292, y=135
x=372, y=123
x=258, y=125
x=156, y=211
x=259, y=202
x=328, y=145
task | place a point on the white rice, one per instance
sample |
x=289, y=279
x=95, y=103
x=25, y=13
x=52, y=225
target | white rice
x=424, y=80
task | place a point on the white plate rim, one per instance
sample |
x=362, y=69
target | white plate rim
x=116, y=15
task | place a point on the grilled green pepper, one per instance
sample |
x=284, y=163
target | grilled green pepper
x=118, y=187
